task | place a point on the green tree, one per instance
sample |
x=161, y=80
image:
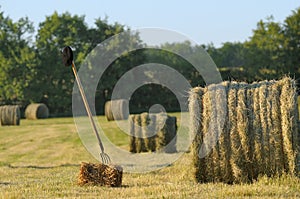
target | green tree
x=292, y=48
x=265, y=51
x=17, y=61
x=55, y=82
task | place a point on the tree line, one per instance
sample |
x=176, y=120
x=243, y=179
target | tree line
x=31, y=69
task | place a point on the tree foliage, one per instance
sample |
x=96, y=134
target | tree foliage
x=31, y=69
x=17, y=60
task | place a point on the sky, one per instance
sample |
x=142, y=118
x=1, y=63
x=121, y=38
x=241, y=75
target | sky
x=205, y=22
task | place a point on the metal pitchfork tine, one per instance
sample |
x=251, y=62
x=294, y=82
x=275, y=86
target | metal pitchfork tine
x=68, y=60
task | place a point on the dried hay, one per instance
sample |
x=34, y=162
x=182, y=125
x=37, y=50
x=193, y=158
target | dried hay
x=10, y=115
x=100, y=174
x=196, y=112
x=152, y=132
x=289, y=123
x=116, y=110
x=166, y=135
x=36, y=111
x=139, y=140
x=132, y=141
x=147, y=131
x=259, y=136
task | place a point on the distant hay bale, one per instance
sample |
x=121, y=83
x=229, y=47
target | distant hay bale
x=116, y=110
x=10, y=115
x=148, y=130
x=132, y=141
x=259, y=136
x=139, y=140
x=100, y=174
x=167, y=135
x=36, y=111
x=152, y=132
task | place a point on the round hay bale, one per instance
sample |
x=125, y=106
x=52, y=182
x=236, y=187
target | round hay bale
x=289, y=123
x=36, y=111
x=10, y=115
x=260, y=135
x=116, y=110
x=224, y=139
x=276, y=130
x=242, y=127
x=196, y=116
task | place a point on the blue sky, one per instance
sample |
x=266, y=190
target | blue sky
x=210, y=21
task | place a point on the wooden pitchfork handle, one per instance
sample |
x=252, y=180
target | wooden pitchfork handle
x=87, y=107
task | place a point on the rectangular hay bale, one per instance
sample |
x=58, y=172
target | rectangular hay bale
x=100, y=174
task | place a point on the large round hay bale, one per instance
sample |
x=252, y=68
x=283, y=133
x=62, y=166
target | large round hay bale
x=36, y=111
x=116, y=110
x=260, y=135
x=10, y=115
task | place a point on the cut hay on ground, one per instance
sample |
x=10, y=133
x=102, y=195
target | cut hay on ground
x=100, y=174
x=259, y=136
x=10, y=115
x=152, y=132
x=116, y=110
x=36, y=111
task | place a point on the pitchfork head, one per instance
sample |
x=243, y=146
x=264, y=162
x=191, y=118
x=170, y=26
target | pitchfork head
x=105, y=158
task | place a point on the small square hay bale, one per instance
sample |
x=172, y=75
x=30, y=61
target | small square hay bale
x=100, y=174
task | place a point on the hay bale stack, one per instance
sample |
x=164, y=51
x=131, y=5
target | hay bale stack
x=36, y=111
x=152, y=132
x=259, y=136
x=10, y=115
x=148, y=129
x=166, y=136
x=118, y=107
x=100, y=174
x=132, y=145
x=139, y=140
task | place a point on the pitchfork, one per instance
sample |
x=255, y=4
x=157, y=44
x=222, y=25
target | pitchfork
x=68, y=60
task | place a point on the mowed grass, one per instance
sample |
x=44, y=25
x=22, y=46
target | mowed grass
x=41, y=159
